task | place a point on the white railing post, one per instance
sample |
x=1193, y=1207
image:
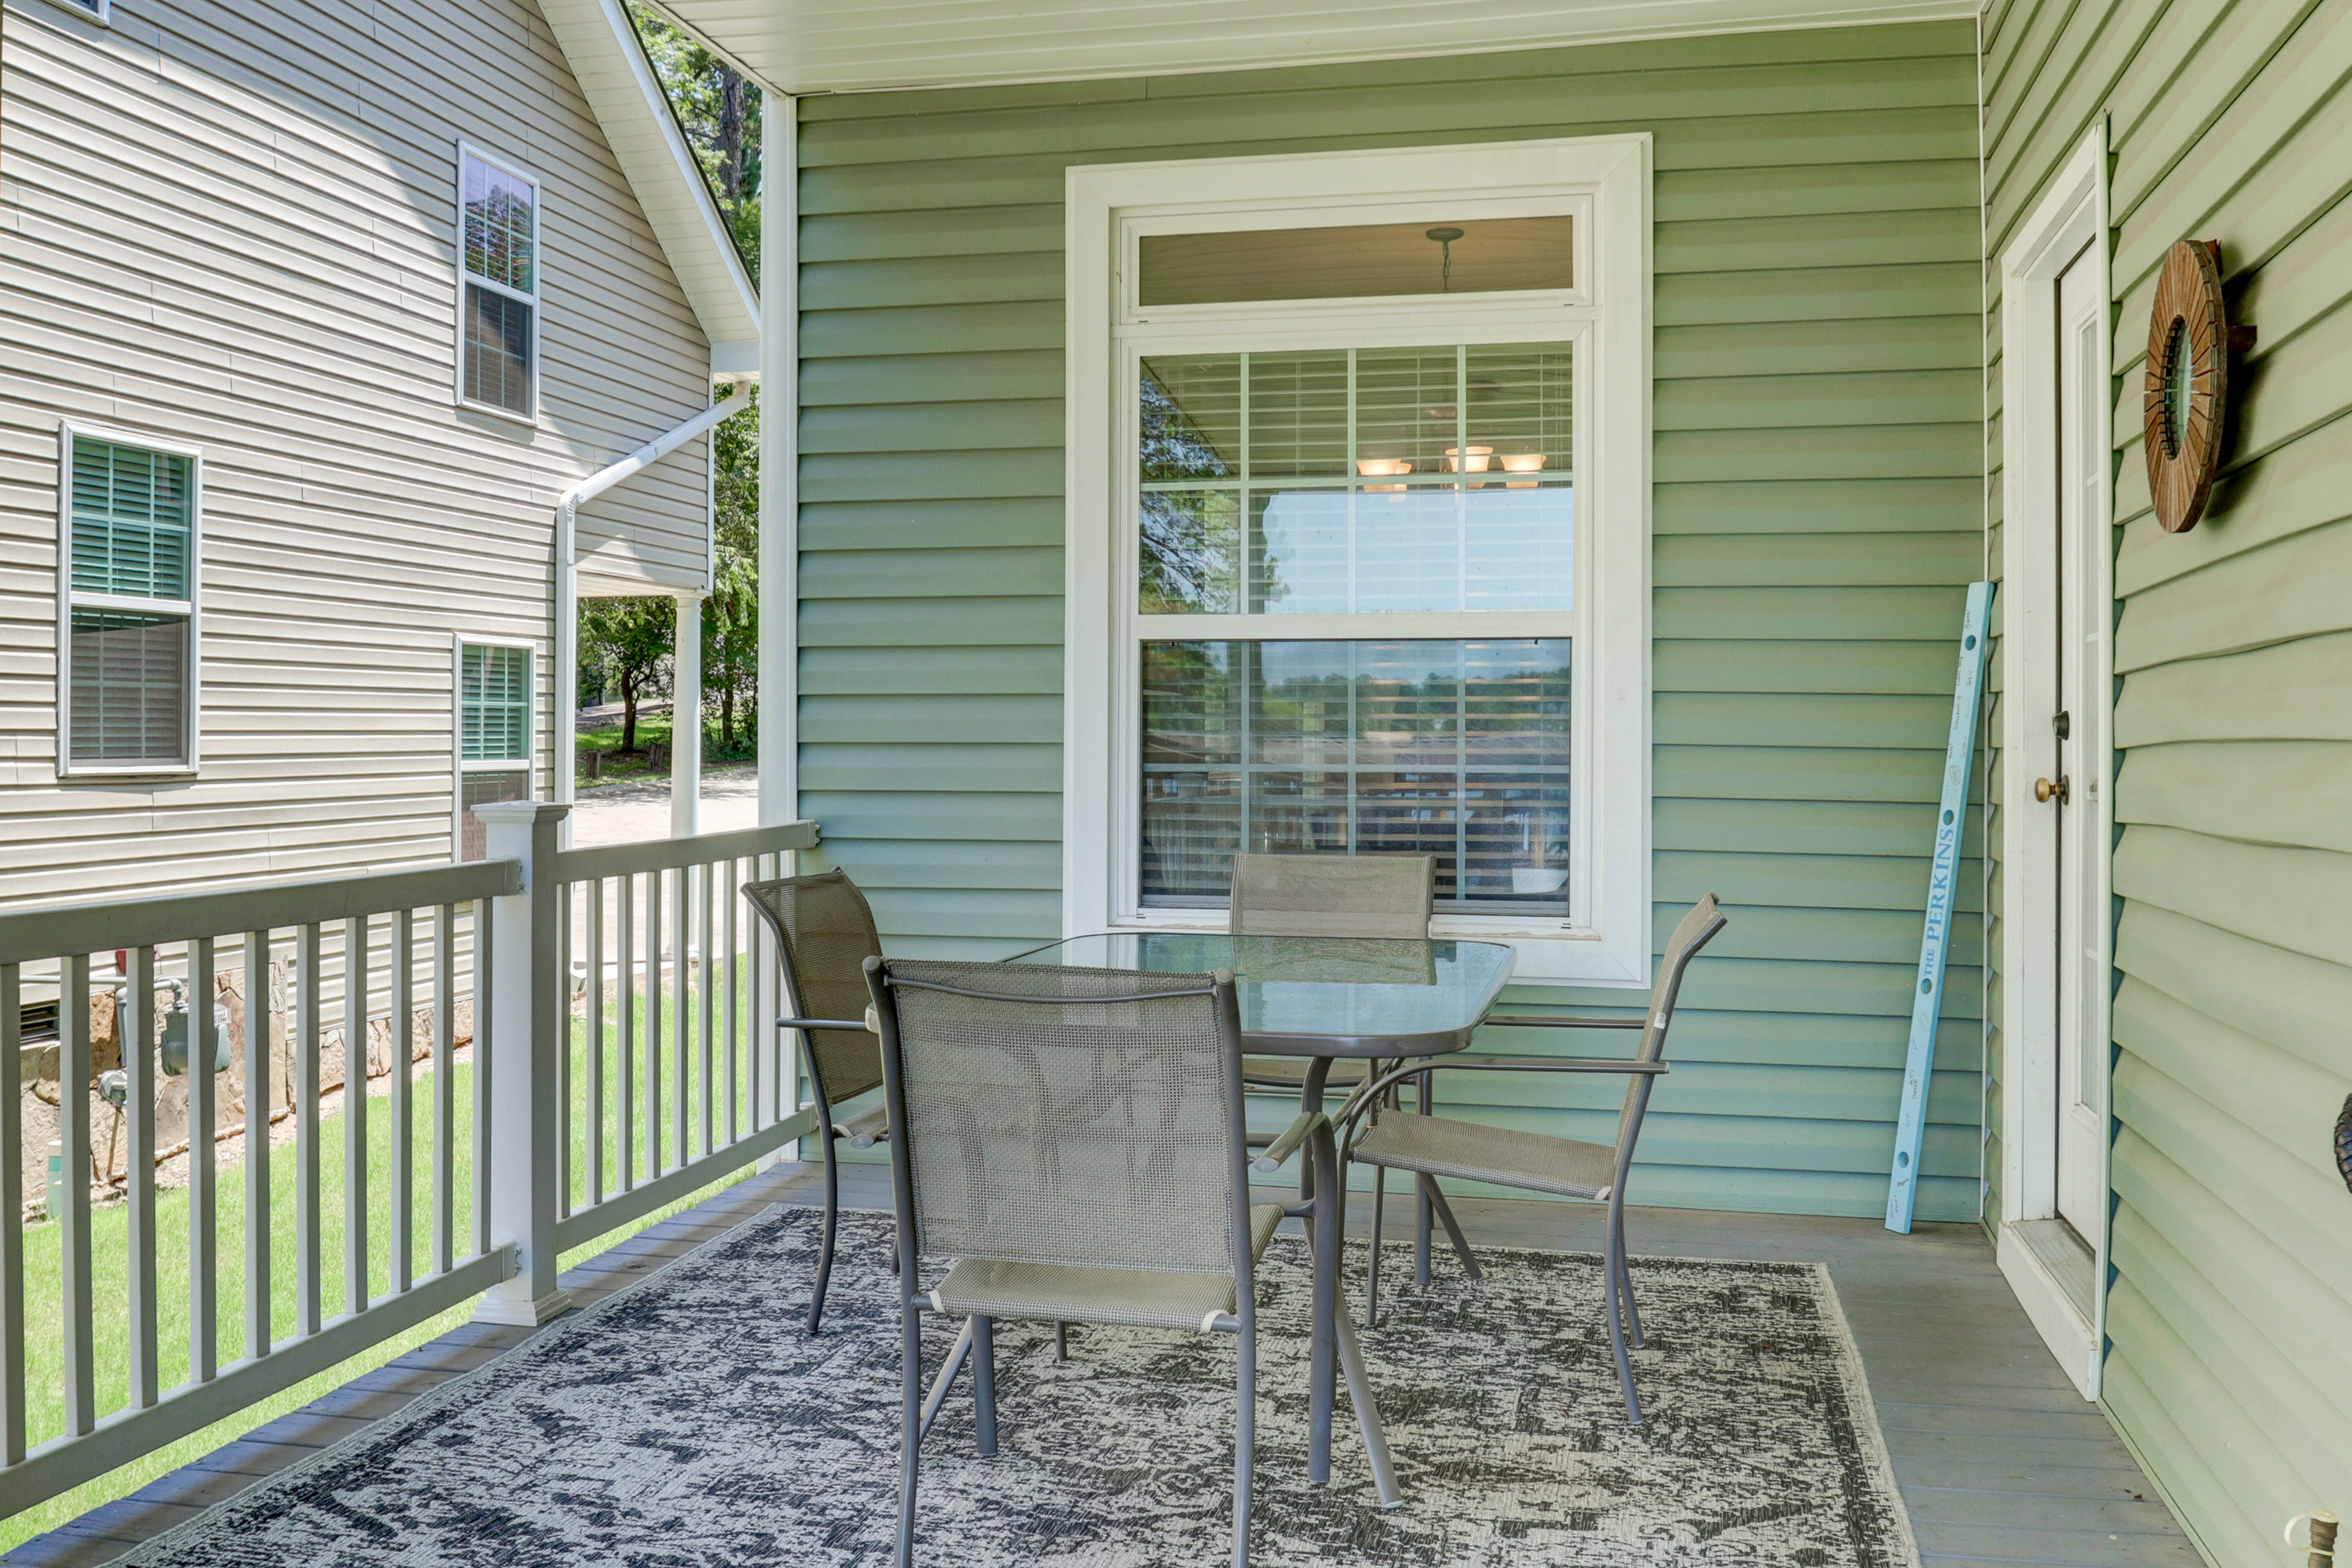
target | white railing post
x=520, y=1034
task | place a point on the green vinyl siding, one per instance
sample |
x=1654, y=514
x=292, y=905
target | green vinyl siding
x=1816, y=517
x=2229, y=1352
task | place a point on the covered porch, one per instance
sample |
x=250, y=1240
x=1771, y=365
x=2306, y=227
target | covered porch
x=1997, y=1459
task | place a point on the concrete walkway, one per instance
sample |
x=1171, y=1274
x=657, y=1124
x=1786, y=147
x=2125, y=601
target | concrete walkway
x=632, y=812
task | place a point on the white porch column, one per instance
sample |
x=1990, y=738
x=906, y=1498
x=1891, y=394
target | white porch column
x=517, y=1060
x=780, y=356
x=686, y=721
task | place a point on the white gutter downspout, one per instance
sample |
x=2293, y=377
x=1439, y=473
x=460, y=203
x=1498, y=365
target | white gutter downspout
x=567, y=576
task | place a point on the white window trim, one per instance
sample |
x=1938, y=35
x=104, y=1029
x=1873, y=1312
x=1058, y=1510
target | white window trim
x=2072, y=214
x=1606, y=180
x=534, y=299
x=101, y=13
x=192, y=606
x=459, y=764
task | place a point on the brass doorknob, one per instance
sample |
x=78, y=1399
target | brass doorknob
x=2045, y=792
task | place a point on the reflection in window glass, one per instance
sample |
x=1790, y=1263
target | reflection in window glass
x=1473, y=256
x=1458, y=749
x=1391, y=480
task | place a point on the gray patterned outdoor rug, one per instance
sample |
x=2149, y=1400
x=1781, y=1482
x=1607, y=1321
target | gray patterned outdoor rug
x=687, y=1422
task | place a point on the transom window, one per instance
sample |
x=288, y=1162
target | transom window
x=497, y=306
x=1357, y=535
x=127, y=672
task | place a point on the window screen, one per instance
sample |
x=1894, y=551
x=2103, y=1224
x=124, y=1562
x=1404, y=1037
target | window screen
x=130, y=697
x=132, y=514
x=499, y=267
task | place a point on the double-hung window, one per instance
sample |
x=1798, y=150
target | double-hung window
x=129, y=525
x=494, y=732
x=1358, y=535
x=497, y=287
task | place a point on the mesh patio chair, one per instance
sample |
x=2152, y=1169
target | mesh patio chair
x=825, y=933
x=1327, y=895
x=1433, y=1146
x=1072, y=1139
x=1340, y=895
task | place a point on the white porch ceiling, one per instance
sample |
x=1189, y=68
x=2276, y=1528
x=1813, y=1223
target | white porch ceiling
x=858, y=46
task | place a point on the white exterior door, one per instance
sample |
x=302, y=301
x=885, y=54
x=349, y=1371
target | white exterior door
x=2077, y=745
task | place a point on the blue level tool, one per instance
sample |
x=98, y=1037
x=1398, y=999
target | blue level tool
x=1936, y=939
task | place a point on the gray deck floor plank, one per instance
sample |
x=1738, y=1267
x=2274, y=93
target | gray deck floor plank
x=2000, y=1461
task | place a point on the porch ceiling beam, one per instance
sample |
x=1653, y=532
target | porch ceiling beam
x=841, y=46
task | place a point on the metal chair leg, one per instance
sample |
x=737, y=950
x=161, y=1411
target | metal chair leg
x=1061, y=1341
x=983, y=1384
x=1617, y=1341
x=831, y=1223
x=1368, y=1416
x=1244, y=1441
x=1433, y=1197
x=1625, y=1275
x=1420, y=1229
x=1373, y=1288
x=910, y=1440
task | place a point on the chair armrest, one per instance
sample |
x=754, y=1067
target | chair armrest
x=1556, y=1064
x=859, y=1026
x=1289, y=1143
x=1568, y=1023
x=1364, y=1097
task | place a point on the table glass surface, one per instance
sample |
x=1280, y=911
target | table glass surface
x=1328, y=989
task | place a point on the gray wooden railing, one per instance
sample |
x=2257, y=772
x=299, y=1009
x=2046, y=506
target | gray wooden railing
x=685, y=985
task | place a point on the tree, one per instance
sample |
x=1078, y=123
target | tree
x=632, y=639
x=730, y=641
x=719, y=112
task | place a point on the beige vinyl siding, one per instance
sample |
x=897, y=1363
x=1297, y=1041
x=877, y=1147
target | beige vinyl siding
x=1816, y=517
x=251, y=250
x=2229, y=1310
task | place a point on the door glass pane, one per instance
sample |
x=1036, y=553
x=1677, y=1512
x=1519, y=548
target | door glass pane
x=1365, y=481
x=1474, y=256
x=1458, y=749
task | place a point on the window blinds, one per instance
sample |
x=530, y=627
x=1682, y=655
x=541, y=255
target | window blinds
x=495, y=695
x=133, y=521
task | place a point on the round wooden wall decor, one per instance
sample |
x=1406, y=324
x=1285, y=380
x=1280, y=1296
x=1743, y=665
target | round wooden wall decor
x=2189, y=345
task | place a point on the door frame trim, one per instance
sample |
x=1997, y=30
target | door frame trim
x=2072, y=213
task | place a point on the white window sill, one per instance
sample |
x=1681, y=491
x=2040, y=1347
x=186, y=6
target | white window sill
x=1542, y=958
x=126, y=775
x=467, y=406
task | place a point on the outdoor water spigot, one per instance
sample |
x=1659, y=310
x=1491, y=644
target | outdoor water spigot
x=114, y=1086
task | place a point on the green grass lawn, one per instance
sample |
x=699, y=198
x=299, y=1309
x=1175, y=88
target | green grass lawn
x=622, y=767
x=44, y=1384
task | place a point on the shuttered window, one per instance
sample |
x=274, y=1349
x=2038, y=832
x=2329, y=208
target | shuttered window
x=494, y=733
x=128, y=666
x=498, y=266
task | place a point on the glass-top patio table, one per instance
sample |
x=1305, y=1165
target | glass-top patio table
x=1324, y=998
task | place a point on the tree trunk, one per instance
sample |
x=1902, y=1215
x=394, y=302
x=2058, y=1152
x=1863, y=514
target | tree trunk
x=731, y=134
x=628, y=711
x=727, y=718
